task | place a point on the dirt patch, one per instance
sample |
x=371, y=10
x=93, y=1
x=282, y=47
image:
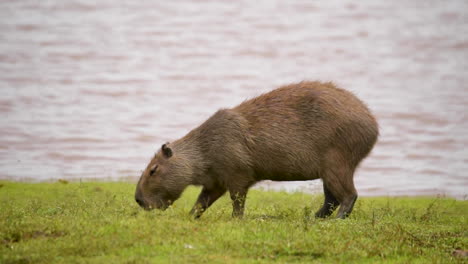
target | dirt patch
x=460, y=253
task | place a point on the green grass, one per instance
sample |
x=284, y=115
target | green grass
x=101, y=223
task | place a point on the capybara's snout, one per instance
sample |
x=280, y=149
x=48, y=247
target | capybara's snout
x=139, y=202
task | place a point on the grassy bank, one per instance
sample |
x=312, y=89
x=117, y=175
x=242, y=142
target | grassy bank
x=101, y=223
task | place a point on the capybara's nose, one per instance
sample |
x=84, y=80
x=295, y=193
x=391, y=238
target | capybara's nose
x=139, y=201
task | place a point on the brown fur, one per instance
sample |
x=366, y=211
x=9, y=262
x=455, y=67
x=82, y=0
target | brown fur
x=298, y=132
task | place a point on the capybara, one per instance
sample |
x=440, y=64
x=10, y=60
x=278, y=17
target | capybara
x=297, y=132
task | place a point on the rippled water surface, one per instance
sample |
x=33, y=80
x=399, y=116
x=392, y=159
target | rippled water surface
x=90, y=89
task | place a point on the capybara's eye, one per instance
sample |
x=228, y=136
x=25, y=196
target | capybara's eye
x=153, y=169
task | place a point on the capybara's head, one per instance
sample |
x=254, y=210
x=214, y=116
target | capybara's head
x=162, y=182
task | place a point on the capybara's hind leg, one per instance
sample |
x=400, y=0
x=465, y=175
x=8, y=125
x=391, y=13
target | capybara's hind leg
x=338, y=177
x=347, y=206
x=340, y=184
x=329, y=205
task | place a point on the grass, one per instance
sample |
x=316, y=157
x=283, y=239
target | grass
x=100, y=223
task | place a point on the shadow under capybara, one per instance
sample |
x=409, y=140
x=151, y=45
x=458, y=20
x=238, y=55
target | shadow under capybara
x=297, y=132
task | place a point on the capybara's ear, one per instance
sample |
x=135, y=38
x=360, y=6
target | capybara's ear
x=167, y=151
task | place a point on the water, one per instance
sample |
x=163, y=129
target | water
x=90, y=89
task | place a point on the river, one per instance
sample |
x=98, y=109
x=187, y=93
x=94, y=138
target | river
x=91, y=89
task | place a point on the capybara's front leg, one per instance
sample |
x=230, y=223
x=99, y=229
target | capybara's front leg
x=206, y=198
x=238, y=202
